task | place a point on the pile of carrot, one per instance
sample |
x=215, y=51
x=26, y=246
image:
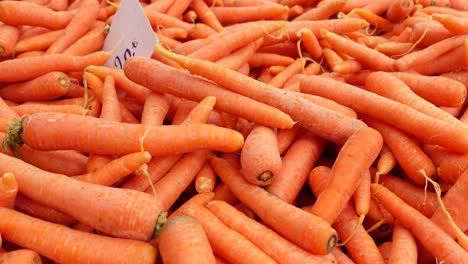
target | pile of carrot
x=259, y=131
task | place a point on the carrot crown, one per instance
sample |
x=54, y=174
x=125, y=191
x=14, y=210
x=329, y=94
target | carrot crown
x=13, y=138
x=159, y=224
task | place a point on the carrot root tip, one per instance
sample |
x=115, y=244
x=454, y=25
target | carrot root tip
x=162, y=218
x=13, y=138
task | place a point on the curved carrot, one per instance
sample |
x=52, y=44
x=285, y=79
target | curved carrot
x=110, y=109
x=156, y=140
x=340, y=189
x=403, y=248
x=182, y=239
x=8, y=190
x=260, y=158
x=277, y=214
x=49, y=86
x=25, y=256
x=441, y=246
x=41, y=236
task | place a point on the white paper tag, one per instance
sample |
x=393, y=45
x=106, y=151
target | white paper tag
x=130, y=34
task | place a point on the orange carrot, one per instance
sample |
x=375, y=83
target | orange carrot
x=25, y=256
x=447, y=62
x=240, y=56
x=25, y=13
x=423, y=127
x=428, y=233
x=394, y=48
x=260, y=158
x=35, y=209
x=77, y=27
x=16, y=70
x=183, y=239
x=361, y=196
x=41, y=236
x=155, y=110
x=110, y=102
x=385, y=249
x=339, y=190
x=9, y=37
x=45, y=87
x=386, y=162
x=205, y=180
x=323, y=11
x=454, y=24
x=90, y=42
x=278, y=248
x=449, y=165
x=427, y=35
x=194, y=88
x=276, y=213
x=206, y=15
x=399, y=10
x=340, y=256
x=331, y=57
x=403, y=248
x=230, y=15
x=9, y=188
x=268, y=59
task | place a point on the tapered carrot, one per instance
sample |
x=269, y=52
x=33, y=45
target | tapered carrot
x=141, y=217
x=24, y=13
x=425, y=34
x=206, y=15
x=191, y=87
x=403, y=247
x=90, y=42
x=155, y=109
x=205, y=180
x=428, y=233
x=25, y=256
x=267, y=59
x=347, y=223
x=45, y=87
x=385, y=163
x=35, y=209
x=449, y=165
x=9, y=37
x=325, y=10
x=366, y=56
x=276, y=213
x=41, y=236
x=29, y=54
x=230, y=15
x=396, y=90
x=440, y=91
x=110, y=102
x=406, y=150
x=454, y=24
x=331, y=57
x=297, y=162
x=8, y=190
x=280, y=249
x=16, y=70
x=361, y=196
x=178, y=8
x=280, y=79
x=423, y=201
x=447, y=62
x=240, y=56
x=260, y=158
x=225, y=242
x=116, y=169
x=304, y=112
x=423, y=127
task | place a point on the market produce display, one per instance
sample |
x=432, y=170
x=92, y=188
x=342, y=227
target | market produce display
x=234, y=131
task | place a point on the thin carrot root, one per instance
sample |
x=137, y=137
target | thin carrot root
x=426, y=29
x=379, y=224
x=461, y=237
x=377, y=176
x=360, y=221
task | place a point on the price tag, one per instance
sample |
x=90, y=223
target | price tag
x=130, y=34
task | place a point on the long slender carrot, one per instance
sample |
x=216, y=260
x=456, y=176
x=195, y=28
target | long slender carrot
x=110, y=102
x=268, y=59
x=41, y=236
x=278, y=248
x=156, y=140
x=454, y=24
x=90, y=42
x=25, y=256
x=206, y=15
x=24, y=13
x=240, y=56
x=155, y=109
x=337, y=128
x=49, y=86
x=37, y=42
x=193, y=88
x=182, y=239
x=27, y=68
x=38, y=210
x=323, y=11
x=423, y=127
x=339, y=190
x=447, y=62
x=441, y=246
x=8, y=190
x=229, y=15
x=271, y=209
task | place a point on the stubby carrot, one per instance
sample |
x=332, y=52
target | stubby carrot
x=156, y=140
x=8, y=190
x=205, y=180
x=403, y=248
x=434, y=239
x=8, y=38
x=54, y=241
x=25, y=256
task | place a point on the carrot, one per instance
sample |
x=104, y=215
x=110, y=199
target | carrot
x=116, y=169
x=194, y=88
x=347, y=223
x=160, y=6
x=178, y=8
x=25, y=13
x=183, y=239
x=173, y=33
x=449, y=165
x=205, y=180
x=58, y=5
x=325, y=10
x=438, y=90
x=206, y=15
x=428, y=34
x=331, y=57
x=385, y=163
x=406, y=150
x=6, y=112
x=411, y=121
x=447, y=62
x=310, y=43
x=25, y=256
x=297, y=162
x=298, y=108
x=41, y=236
x=110, y=102
x=225, y=242
x=340, y=256
x=260, y=158
x=89, y=42
x=385, y=249
x=260, y=59
x=339, y=190
x=9, y=188
x=154, y=110
x=454, y=201
x=454, y=24
x=276, y=213
x=31, y=108
x=9, y=37
x=399, y=10
x=240, y=56
x=230, y=15
x=16, y=70
x=403, y=247
x=277, y=247
x=428, y=233
x=361, y=196
x=35, y=209
x=45, y=87
x=394, y=48
x=223, y=193
x=423, y=201
x=369, y=58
